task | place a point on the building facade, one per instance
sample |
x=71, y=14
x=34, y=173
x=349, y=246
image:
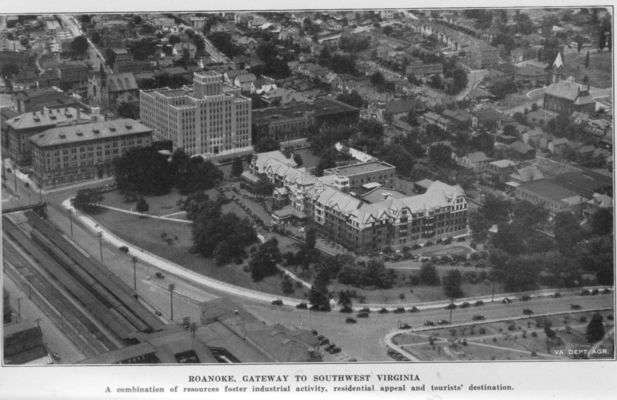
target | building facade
x=211, y=119
x=363, y=173
x=76, y=153
x=567, y=97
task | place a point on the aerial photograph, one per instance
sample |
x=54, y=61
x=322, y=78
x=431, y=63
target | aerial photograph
x=323, y=186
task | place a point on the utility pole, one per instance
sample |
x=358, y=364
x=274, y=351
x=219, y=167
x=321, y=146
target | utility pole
x=135, y=274
x=99, y=234
x=19, y=308
x=172, y=286
x=70, y=213
x=451, y=309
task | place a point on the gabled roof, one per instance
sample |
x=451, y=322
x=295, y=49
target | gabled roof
x=521, y=147
x=122, y=82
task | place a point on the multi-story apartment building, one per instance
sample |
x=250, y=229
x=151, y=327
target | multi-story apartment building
x=363, y=173
x=75, y=153
x=210, y=119
x=20, y=128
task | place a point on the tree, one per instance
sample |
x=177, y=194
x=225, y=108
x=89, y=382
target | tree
x=595, y=328
x=345, y=301
x=602, y=222
x=479, y=226
x=567, y=232
x=79, y=45
x=87, y=200
x=266, y=144
x=143, y=170
x=518, y=274
x=452, y=284
x=263, y=187
x=318, y=295
x=529, y=215
x=596, y=255
x=440, y=154
x=377, y=79
x=310, y=239
x=495, y=209
x=353, y=99
x=128, y=110
x=142, y=206
x=9, y=70
x=110, y=57
x=428, y=275
x=298, y=160
x=287, y=285
x=223, y=236
x=237, y=167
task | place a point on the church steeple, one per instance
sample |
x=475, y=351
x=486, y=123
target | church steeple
x=557, y=68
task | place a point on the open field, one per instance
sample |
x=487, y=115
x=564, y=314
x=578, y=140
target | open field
x=149, y=234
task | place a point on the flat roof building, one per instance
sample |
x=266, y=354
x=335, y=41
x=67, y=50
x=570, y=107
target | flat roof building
x=362, y=173
x=211, y=119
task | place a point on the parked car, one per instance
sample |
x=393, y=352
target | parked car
x=429, y=323
x=159, y=275
x=404, y=325
x=525, y=297
x=350, y=321
x=575, y=307
x=277, y=302
x=527, y=311
x=451, y=306
x=414, y=309
x=442, y=322
x=383, y=311
x=464, y=304
x=478, y=317
x=302, y=306
x=506, y=301
x=478, y=303
x=362, y=314
x=399, y=310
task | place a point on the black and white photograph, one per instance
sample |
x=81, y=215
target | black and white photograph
x=296, y=201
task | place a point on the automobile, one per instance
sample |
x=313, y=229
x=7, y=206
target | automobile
x=429, y=323
x=324, y=341
x=464, y=304
x=302, y=306
x=320, y=337
x=314, y=332
x=335, y=350
x=399, y=310
x=527, y=311
x=124, y=249
x=606, y=291
x=350, y=321
x=383, y=311
x=366, y=310
x=575, y=307
x=277, y=302
x=442, y=322
x=585, y=292
x=158, y=313
x=362, y=314
x=451, y=306
x=414, y=309
x=557, y=295
x=478, y=303
x=506, y=300
x=478, y=317
x=159, y=275
x=404, y=325
x=525, y=297
x=329, y=347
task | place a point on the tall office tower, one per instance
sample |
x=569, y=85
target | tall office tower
x=211, y=119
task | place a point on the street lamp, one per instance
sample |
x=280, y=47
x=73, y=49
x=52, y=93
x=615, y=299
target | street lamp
x=135, y=274
x=172, y=286
x=19, y=308
x=69, y=211
x=99, y=234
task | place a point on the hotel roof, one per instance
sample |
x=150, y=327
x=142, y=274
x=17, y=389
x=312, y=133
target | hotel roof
x=362, y=168
x=88, y=132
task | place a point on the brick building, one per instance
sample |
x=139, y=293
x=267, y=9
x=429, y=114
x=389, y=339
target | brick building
x=81, y=152
x=568, y=97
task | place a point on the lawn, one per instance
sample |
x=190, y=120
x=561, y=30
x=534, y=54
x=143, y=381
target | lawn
x=149, y=234
x=599, y=71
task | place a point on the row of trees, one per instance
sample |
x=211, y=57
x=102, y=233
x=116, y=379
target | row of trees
x=148, y=172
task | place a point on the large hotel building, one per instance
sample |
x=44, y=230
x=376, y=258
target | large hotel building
x=76, y=153
x=368, y=221
x=211, y=119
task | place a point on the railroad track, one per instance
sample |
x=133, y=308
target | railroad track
x=77, y=326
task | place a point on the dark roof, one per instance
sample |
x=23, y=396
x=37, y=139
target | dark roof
x=121, y=82
x=399, y=106
x=548, y=188
x=586, y=182
x=38, y=99
x=87, y=132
